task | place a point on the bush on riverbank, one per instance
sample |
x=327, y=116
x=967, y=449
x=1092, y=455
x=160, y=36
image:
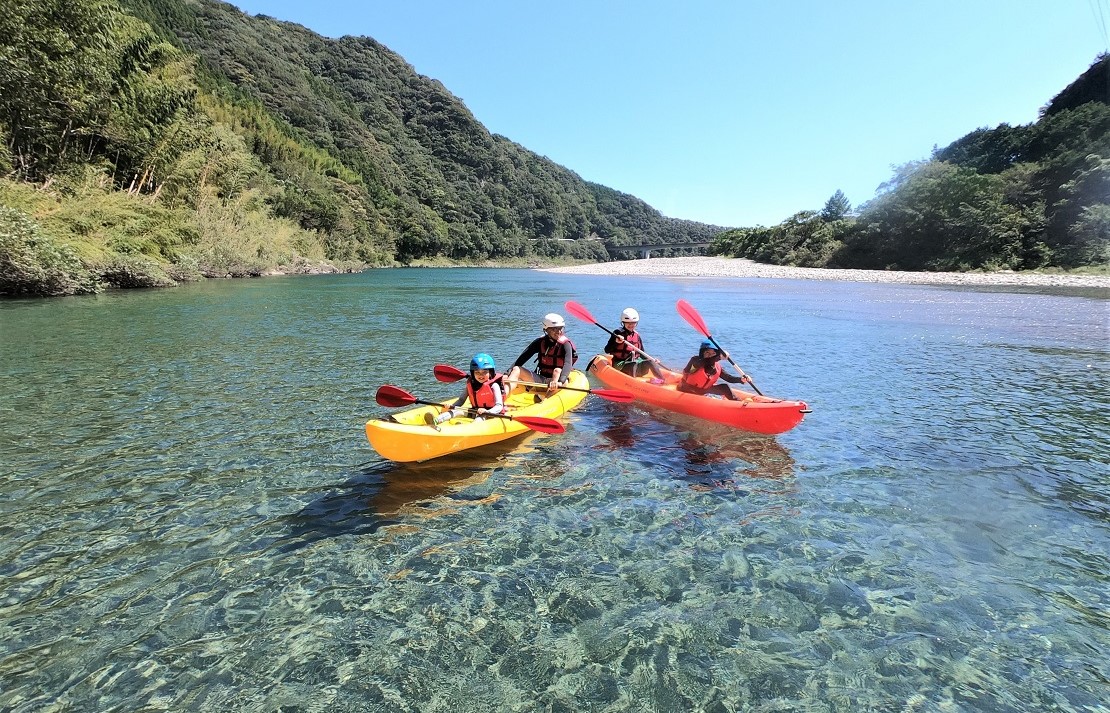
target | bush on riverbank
x=79, y=236
x=33, y=264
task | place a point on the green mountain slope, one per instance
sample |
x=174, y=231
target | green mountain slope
x=162, y=140
x=445, y=184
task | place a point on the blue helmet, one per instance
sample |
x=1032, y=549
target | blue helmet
x=707, y=345
x=482, y=361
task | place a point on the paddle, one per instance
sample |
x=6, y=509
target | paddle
x=688, y=313
x=449, y=374
x=394, y=397
x=584, y=314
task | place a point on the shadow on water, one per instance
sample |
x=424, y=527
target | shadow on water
x=710, y=455
x=383, y=493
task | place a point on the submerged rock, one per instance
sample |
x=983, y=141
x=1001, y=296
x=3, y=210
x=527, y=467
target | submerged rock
x=776, y=609
x=847, y=599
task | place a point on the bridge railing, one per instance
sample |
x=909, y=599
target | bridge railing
x=645, y=249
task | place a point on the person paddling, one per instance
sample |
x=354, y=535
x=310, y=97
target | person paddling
x=483, y=390
x=627, y=346
x=555, y=355
x=702, y=372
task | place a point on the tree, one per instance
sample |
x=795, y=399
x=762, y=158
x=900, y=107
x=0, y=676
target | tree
x=943, y=217
x=1091, y=236
x=53, y=75
x=836, y=207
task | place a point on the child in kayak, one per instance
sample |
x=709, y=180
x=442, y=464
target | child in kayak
x=483, y=390
x=702, y=372
x=627, y=347
x=555, y=354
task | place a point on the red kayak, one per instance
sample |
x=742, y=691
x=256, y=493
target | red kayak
x=759, y=414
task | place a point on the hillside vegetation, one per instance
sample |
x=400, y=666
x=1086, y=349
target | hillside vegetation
x=1011, y=197
x=156, y=141
x=150, y=142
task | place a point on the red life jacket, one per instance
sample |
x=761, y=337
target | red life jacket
x=621, y=352
x=483, y=397
x=704, y=377
x=551, y=354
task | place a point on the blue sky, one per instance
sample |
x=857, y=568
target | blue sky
x=732, y=112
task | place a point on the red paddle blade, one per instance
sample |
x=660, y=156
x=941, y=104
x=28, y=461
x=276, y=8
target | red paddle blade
x=688, y=313
x=617, y=395
x=448, y=373
x=580, y=312
x=537, y=423
x=393, y=396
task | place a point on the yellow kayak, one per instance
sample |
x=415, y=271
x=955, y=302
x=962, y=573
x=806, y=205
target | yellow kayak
x=405, y=437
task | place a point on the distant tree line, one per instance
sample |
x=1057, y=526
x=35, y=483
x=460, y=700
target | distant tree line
x=1012, y=197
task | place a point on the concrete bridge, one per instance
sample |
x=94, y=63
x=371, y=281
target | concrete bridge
x=645, y=250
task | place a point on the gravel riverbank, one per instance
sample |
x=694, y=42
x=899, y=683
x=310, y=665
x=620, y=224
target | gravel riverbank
x=739, y=267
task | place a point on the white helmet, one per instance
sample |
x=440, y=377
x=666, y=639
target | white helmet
x=630, y=315
x=553, y=320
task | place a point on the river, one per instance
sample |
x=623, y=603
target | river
x=191, y=518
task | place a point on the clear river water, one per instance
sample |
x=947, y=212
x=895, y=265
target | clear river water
x=191, y=518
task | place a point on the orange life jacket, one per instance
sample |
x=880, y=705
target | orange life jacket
x=703, y=378
x=483, y=396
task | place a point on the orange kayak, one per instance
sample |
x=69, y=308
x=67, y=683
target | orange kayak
x=759, y=414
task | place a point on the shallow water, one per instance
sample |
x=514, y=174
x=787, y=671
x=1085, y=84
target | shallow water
x=192, y=518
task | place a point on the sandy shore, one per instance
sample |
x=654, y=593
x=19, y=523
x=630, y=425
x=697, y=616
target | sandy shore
x=738, y=267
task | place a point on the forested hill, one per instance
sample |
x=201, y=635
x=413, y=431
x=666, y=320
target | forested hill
x=1011, y=197
x=449, y=185
x=153, y=141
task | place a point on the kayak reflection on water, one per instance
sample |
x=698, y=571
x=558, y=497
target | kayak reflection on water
x=383, y=493
x=443, y=485
x=711, y=452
